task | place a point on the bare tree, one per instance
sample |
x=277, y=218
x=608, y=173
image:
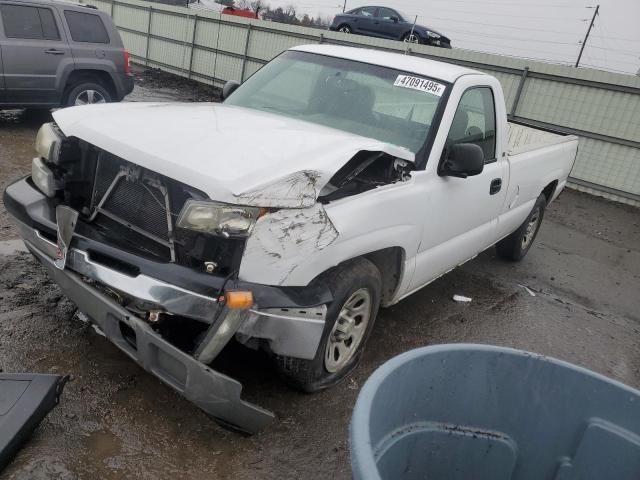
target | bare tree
x=257, y=6
x=290, y=11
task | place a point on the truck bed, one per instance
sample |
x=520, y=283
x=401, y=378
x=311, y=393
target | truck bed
x=522, y=138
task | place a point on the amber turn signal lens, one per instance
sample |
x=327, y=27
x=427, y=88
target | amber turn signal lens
x=238, y=300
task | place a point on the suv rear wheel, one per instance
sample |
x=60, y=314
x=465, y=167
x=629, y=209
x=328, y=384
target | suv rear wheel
x=86, y=93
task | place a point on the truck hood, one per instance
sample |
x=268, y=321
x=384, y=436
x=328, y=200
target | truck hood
x=233, y=154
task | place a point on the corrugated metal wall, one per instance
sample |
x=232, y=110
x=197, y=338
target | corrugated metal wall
x=602, y=108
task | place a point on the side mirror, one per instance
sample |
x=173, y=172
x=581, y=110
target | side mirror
x=395, y=19
x=462, y=160
x=229, y=88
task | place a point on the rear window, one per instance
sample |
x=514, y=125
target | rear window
x=29, y=22
x=86, y=27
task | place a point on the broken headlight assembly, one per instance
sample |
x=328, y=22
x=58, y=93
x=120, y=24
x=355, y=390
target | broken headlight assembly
x=218, y=218
x=48, y=142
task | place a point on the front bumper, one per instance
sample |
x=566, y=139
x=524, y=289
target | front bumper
x=213, y=392
x=181, y=292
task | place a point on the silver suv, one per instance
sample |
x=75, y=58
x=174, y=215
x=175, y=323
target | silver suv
x=54, y=53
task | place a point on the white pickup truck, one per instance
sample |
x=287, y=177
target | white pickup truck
x=332, y=182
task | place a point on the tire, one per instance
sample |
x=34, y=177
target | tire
x=345, y=28
x=408, y=38
x=86, y=92
x=515, y=246
x=358, y=279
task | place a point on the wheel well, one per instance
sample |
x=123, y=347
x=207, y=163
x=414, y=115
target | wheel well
x=389, y=262
x=549, y=190
x=98, y=76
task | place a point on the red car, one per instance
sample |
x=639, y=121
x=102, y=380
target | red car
x=240, y=13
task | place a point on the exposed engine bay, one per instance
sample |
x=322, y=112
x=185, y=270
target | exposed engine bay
x=133, y=208
x=365, y=171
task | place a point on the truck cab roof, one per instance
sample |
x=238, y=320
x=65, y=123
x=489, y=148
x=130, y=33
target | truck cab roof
x=422, y=66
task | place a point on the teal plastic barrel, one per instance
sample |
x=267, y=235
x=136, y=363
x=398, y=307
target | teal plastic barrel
x=482, y=412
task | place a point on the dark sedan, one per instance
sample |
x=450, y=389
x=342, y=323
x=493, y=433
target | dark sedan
x=388, y=23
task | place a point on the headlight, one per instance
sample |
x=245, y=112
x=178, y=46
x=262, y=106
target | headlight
x=43, y=178
x=218, y=218
x=432, y=34
x=48, y=142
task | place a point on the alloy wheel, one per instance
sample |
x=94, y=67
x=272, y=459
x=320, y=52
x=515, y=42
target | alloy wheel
x=87, y=97
x=412, y=38
x=349, y=330
x=530, y=231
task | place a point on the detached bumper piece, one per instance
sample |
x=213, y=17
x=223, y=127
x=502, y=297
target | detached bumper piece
x=215, y=393
x=25, y=399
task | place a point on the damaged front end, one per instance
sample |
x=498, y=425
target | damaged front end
x=166, y=272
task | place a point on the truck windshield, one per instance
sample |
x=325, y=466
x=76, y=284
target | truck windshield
x=368, y=100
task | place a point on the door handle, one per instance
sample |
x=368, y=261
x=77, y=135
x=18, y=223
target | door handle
x=496, y=185
x=53, y=51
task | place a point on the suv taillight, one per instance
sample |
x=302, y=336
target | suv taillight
x=127, y=62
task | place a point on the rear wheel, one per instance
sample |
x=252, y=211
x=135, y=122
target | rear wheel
x=87, y=93
x=515, y=246
x=345, y=29
x=356, y=288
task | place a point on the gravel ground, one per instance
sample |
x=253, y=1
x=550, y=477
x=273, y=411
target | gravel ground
x=117, y=421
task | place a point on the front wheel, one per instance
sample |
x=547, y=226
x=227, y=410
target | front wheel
x=345, y=29
x=411, y=37
x=356, y=288
x=515, y=246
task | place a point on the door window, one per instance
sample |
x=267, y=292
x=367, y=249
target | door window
x=387, y=13
x=475, y=122
x=367, y=11
x=33, y=23
x=86, y=27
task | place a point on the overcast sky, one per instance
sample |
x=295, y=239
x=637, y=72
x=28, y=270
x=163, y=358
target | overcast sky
x=549, y=29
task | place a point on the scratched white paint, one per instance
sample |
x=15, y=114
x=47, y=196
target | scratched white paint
x=298, y=190
x=284, y=239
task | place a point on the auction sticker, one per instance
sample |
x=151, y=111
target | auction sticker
x=422, y=84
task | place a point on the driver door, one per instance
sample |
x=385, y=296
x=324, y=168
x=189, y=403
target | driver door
x=386, y=25
x=461, y=214
x=34, y=51
x=364, y=22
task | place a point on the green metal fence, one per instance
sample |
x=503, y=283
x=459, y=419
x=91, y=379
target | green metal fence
x=602, y=108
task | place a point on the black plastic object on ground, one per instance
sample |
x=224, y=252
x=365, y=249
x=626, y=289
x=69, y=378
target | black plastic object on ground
x=25, y=399
x=483, y=412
